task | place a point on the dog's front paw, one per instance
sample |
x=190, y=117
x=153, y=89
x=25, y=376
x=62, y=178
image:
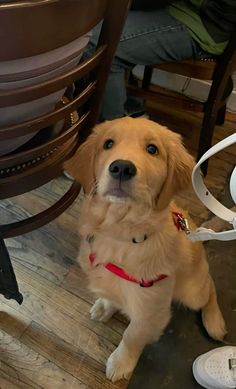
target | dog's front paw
x=102, y=310
x=120, y=364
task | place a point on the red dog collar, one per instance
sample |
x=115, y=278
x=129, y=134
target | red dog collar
x=122, y=274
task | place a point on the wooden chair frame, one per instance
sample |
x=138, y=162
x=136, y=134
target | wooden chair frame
x=26, y=170
x=219, y=70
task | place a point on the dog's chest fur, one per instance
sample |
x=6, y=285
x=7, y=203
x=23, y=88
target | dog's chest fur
x=109, y=231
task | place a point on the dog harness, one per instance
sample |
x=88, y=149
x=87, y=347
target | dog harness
x=180, y=223
x=122, y=274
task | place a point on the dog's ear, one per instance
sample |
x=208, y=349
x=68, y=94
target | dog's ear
x=179, y=169
x=81, y=165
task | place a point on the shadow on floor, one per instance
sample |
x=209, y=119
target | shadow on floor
x=167, y=364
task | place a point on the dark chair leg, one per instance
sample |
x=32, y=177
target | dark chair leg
x=205, y=140
x=227, y=92
x=8, y=283
x=212, y=116
x=147, y=76
x=221, y=116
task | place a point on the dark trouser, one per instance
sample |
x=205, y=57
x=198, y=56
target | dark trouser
x=148, y=37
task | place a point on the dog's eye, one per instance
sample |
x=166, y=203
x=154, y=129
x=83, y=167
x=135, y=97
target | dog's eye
x=152, y=149
x=108, y=144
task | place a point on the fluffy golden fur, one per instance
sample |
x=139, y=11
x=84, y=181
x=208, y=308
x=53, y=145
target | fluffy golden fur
x=115, y=212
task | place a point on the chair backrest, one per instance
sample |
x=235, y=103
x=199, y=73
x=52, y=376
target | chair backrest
x=34, y=27
x=31, y=28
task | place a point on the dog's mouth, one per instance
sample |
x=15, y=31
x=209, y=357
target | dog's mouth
x=117, y=194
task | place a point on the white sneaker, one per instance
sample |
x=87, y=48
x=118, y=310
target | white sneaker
x=216, y=369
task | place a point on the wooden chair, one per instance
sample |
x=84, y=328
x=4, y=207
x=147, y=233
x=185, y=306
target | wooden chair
x=51, y=24
x=219, y=70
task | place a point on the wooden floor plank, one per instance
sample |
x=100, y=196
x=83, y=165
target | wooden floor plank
x=65, y=314
x=27, y=367
x=37, y=260
x=68, y=357
x=8, y=382
x=13, y=321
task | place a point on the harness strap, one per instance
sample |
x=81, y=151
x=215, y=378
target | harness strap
x=210, y=201
x=122, y=274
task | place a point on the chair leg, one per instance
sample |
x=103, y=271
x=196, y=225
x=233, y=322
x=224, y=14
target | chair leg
x=212, y=116
x=147, y=76
x=205, y=140
x=221, y=116
x=8, y=283
x=221, y=113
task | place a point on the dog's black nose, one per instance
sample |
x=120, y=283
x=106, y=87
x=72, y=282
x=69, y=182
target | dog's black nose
x=122, y=170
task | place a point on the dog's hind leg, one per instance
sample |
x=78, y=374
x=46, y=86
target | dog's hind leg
x=211, y=315
x=196, y=295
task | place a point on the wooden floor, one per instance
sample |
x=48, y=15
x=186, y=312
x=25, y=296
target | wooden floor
x=49, y=341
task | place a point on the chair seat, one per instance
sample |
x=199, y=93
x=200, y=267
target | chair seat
x=200, y=68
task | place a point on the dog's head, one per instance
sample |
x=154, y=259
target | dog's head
x=128, y=160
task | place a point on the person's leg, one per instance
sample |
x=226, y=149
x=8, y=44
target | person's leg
x=147, y=38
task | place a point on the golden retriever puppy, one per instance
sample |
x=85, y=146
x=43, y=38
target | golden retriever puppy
x=136, y=259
